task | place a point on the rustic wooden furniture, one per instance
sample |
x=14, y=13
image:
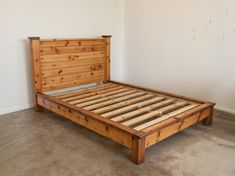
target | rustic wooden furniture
x=133, y=116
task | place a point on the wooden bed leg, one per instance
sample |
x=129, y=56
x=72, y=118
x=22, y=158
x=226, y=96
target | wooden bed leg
x=37, y=107
x=138, y=150
x=208, y=121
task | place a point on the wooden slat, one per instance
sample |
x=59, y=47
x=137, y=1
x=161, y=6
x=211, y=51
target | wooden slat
x=100, y=100
x=73, y=83
x=131, y=107
x=142, y=110
x=99, y=96
x=71, y=49
x=73, y=63
x=116, y=100
x=153, y=114
x=73, y=70
x=92, y=92
x=79, y=42
x=77, y=90
x=165, y=117
x=121, y=104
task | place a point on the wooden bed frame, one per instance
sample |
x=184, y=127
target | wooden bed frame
x=133, y=116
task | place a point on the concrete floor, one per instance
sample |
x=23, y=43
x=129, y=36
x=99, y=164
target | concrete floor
x=46, y=144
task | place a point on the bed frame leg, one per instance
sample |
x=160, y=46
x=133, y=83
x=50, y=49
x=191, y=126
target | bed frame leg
x=138, y=150
x=37, y=107
x=208, y=121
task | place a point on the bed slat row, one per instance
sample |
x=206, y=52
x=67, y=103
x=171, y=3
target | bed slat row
x=131, y=107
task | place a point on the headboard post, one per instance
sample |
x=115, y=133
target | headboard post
x=107, y=57
x=35, y=52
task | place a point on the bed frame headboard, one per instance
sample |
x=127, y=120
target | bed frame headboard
x=63, y=63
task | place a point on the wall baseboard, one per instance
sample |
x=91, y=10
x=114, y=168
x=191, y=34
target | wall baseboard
x=225, y=109
x=16, y=108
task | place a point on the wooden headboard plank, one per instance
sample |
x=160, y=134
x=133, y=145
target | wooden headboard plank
x=70, y=49
x=63, y=63
x=72, y=42
x=73, y=70
x=70, y=77
x=73, y=56
x=70, y=63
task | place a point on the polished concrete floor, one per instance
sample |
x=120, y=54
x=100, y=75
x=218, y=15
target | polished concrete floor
x=45, y=144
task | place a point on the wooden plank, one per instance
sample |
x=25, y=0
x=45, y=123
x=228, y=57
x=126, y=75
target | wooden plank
x=169, y=115
x=131, y=107
x=73, y=70
x=72, y=83
x=79, y=42
x=122, y=104
x=116, y=100
x=71, y=49
x=170, y=126
x=73, y=63
x=189, y=121
x=92, y=115
x=99, y=127
x=72, y=93
x=89, y=93
x=179, y=117
x=143, y=110
x=58, y=39
x=71, y=77
x=100, y=100
x=154, y=113
x=76, y=90
x=71, y=56
x=99, y=96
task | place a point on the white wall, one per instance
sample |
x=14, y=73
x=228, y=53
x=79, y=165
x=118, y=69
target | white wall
x=185, y=47
x=50, y=18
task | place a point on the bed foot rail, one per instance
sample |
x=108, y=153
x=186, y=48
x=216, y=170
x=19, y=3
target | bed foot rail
x=138, y=150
